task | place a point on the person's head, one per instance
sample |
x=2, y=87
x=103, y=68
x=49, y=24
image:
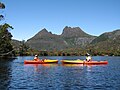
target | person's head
x=87, y=54
x=36, y=55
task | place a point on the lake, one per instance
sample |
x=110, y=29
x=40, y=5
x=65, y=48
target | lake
x=15, y=75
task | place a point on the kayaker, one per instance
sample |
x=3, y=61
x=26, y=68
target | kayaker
x=88, y=57
x=36, y=58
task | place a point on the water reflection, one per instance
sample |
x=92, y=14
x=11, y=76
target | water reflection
x=71, y=75
x=45, y=75
x=81, y=65
x=5, y=73
x=37, y=67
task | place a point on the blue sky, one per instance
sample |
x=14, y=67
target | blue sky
x=28, y=17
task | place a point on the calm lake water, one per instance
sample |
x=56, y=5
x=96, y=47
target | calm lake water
x=15, y=75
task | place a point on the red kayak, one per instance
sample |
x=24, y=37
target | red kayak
x=96, y=62
x=83, y=62
x=47, y=61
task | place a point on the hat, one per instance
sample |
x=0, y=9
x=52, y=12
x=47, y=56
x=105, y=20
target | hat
x=36, y=55
x=88, y=54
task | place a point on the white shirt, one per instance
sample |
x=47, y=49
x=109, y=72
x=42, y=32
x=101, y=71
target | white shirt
x=88, y=58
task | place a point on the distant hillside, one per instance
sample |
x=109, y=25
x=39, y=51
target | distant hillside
x=108, y=36
x=107, y=42
x=71, y=37
x=16, y=44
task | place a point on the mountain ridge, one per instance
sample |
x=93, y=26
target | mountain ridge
x=70, y=37
x=107, y=43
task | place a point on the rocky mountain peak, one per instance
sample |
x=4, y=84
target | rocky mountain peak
x=73, y=32
x=43, y=33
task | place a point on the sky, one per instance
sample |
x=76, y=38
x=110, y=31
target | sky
x=28, y=17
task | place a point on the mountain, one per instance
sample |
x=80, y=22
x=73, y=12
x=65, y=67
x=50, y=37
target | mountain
x=74, y=40
x=69, y=32
x=45, y=40
x=108, y=42
x=108, y=36
x=76, y=37
x=70, y=38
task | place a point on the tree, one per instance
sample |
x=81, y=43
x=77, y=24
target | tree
x=2, y=6
x=23, y=48
x=5, y=39
x=5, y=36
